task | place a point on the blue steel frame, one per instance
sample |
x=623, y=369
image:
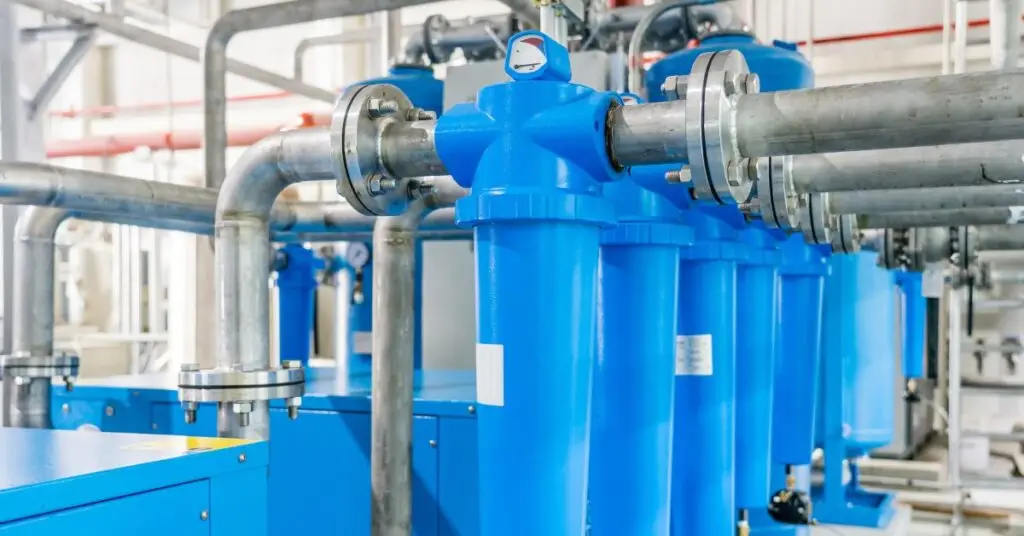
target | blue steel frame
x=124, y=485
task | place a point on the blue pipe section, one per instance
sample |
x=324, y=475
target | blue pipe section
x=703, y=499
x=802, y=280
x=533, y=153
x=631, y=451
x=758, y=285
x=915, y=314
x=297, y=284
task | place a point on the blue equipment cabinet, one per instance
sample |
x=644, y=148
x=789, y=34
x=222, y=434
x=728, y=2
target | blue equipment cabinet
x=857, y=406
x=780, y=67
x=319, y=463
x=63, y=482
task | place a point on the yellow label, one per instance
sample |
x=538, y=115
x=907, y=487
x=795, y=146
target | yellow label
x=187, y=444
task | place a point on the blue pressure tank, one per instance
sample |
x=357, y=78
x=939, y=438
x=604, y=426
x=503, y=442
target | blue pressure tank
x=418, y=83
x=915, y=313
x=860, y=333
x=747, y=290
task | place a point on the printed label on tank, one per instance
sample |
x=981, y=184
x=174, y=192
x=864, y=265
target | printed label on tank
x=362, y=342
x=1016, y=214
x=490, y=374
x=693, y=355
x=933, y=280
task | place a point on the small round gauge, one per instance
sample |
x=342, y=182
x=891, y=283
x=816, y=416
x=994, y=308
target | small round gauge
x=357, y=255
x=526, y=54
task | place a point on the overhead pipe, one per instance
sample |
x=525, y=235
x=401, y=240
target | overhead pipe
x=968, y=164
x=215, y=60
x=941, y=218
x=118, y=26
x=926, y=199
x=635, y=53
x=393, y=351
x=999, y=238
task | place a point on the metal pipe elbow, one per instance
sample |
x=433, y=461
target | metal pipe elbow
x=40, y=224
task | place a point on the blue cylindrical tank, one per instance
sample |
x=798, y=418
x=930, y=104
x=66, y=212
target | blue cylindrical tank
x=631, y=447
x=296, y=282
x=757, y=310
x=780, y=66
x=915, y=312
x=703, y=473
x=418, y=83
x=802, y=281
x=859, y=332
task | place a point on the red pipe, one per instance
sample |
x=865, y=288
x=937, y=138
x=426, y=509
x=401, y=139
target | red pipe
x=900, y=32
x=118, y=144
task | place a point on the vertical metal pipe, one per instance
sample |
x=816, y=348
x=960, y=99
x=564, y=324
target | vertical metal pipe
x=960, y=38
x=394, y=247
x=342, y=327
x=12, y=119
x=947, y=35
x=955, y=337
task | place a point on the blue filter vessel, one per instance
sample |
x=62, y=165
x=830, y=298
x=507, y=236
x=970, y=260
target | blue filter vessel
x=296, y=283
x=757, y=309
x=631, y=451
x=857, y=405
x=915, y=315
x=704, y=450
x=533, y=153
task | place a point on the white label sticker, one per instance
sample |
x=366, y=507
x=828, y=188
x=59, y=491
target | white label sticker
x=362, y=342
x=490, y=374
x=693, y=355
x=933, y=280
x=1016, y=215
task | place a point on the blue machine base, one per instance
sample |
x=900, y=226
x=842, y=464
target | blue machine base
x=858, y=508
x=319, y=463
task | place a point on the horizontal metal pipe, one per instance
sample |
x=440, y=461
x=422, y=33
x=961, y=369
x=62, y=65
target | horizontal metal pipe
x=969, y=164
x=999, y=237
x=215, y=59
x=938, y=218
x=649, y=134
x=409, y=150
x=918, y=112
x=926, y=199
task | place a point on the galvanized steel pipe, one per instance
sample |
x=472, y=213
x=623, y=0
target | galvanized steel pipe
x=940, y=218
x=652, y=133
x=999, y=237
x=969, y=164
x=904, y=113
x=243, y=255
x=926, y=199
x=215, y=59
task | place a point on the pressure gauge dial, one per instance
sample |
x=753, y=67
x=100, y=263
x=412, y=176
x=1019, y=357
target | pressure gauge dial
x=357, y=255
x=527, y=55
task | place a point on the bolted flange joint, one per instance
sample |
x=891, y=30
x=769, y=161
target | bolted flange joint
x=846, y=237
x=814, y=218
x=238, y=390
x=777, y=200
x=20, y=366
x=360, y=119
x=712, y=89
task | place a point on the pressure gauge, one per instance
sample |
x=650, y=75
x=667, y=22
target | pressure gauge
x=533, y=55
x=357, y=255
x=527, y=55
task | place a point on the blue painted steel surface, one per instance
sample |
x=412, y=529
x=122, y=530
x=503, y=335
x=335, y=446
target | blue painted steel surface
x=297, y=283
x=323, y=457
x=780, y=66
x=802, y=280
x=63, y=482
x=631, y=451
x=418, y=83
x=703, y=472
x=533, y=153
x=915, y=315
x=758, y=286
x=857, y=406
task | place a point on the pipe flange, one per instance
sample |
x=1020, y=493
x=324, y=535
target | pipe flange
x=776, y=197
x=30, y=366
x=360, y=116
x=715, y=83
x=814, y=215
x=845, y=233
x=229, y=386
x=895, y=254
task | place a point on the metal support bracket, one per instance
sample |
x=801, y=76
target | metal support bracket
x=49, y=88
x=55, y=32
